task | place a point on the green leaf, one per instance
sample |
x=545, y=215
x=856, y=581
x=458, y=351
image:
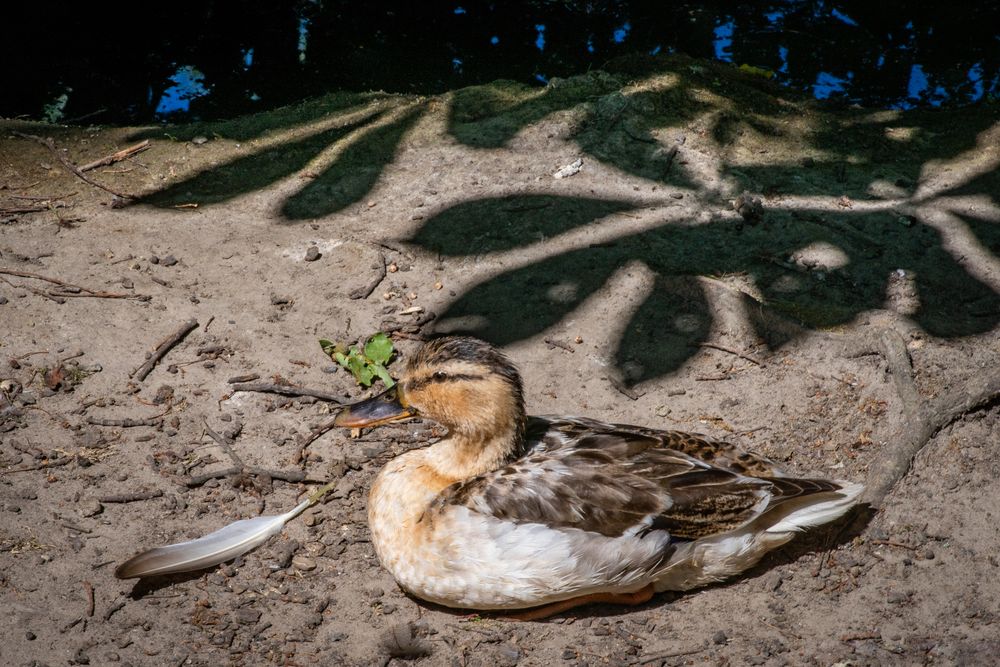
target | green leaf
x=384, y=376
x=328, y=347
x=365, y=375
x=378, y=349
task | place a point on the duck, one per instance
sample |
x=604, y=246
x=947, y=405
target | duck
x=531, y=516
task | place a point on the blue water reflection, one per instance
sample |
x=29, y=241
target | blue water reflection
x=846, y=51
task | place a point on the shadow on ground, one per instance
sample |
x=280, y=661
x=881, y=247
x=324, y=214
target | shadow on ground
x=635, y=118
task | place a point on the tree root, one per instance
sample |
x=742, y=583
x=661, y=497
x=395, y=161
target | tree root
x=924, y=417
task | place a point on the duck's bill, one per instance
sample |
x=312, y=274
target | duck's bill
x=381, y=409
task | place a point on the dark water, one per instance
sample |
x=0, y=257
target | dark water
x=78, y=62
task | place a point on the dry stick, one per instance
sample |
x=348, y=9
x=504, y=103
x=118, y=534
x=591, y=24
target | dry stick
x=130, y=497
x=71, y=286
x=314, y=435
x=88, y=589
x=36, y=291
x=923, y=418
x=54, y=463
x=226, y=446
x=48, y=143
x=146, y=368
x=553, y=343
x=292, y=476
x=286, y=390
x=731, y=351
x=117, y=156
x=123, y=423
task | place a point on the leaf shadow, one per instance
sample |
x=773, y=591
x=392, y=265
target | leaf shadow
x=253, y=172
x=353, y=173
x=502, y=223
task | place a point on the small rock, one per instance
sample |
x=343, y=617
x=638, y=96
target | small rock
x=312, y=254
x=896, y=597
x=169, y=260
x=199, y=140
x=750, y=208
x=153, y=259
x=508, y=654
x=303, y=563
x=568, y=654
x=30, y=636
x=90, y=507
x=279, y=300
x=719, y=637
x=3, y=300
x=246, y=616
x=927, y=553
x=164, y=394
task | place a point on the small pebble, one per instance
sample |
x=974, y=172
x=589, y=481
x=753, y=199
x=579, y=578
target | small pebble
x=90, y=508
x=719, y=637
x=303, y=563
x=312, y=254
x=199, y=140
x=169, y=260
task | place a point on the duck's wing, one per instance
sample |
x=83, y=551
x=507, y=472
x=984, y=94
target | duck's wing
x=603, y=479
x=551, y=432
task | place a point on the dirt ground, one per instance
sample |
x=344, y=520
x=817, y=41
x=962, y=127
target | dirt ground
x=843, y=324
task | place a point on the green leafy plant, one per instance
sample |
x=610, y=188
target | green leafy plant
x=367, y=363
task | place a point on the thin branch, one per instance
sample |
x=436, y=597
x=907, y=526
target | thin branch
x=117, y=156
x=739, y=354
x=142, y=371
x=72, y=168
x=286, y=390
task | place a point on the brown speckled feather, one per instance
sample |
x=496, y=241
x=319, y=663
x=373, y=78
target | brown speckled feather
x=616, y=480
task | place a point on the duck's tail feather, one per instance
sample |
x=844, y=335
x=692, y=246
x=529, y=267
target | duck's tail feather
x=812, y=510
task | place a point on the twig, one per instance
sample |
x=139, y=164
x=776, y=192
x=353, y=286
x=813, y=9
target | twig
x=112, y=609
x=292, y=476
x=78, y=290
x=70, y=625
x=286, y=390
x=48, y=143
x=669, y=654
x=225, y=444
x=146, y=368
x=731, y=351
x=53, y=463
x=624, y=390
x=365, y=291
x=890, y=543
x=36, y=291
x=117, y=156
x=88, y=589
x=314, y=435
x=130, y=497
x=554, y=343
x=123, y=423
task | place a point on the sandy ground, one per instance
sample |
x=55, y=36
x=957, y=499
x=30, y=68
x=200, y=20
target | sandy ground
x=845, y=323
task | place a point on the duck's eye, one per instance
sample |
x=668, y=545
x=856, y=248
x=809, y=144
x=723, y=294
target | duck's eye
x=440, y=375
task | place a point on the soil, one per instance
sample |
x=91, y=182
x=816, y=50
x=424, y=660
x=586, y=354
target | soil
x=840, y=317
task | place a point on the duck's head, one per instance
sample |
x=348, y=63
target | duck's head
x=462, y=383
